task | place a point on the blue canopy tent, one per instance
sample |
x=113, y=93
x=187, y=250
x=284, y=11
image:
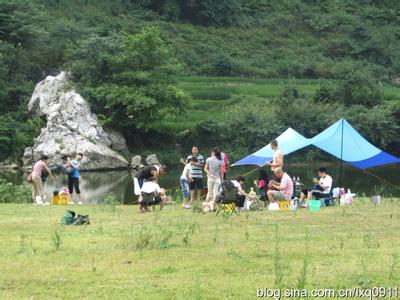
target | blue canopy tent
x=289, y=141
x=344, y=142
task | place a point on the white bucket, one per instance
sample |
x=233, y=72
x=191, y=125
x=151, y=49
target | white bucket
x=376, y=199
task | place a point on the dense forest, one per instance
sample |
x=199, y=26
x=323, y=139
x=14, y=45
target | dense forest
x=127, y=57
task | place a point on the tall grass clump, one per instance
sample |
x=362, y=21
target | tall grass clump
x=278, y=269
x=301, y=281
x=164, y=239
x=56, y=239
x=110, y=203
x=144, y=239
x=393, y=266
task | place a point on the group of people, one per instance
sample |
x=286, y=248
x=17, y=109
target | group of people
x=41, y=171
x=191, y=180
x=272, y=188
x=278, y=186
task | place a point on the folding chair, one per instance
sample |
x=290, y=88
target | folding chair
x=149, y=199
x=330, y=199
x=227, y=202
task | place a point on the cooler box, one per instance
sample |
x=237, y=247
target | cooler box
x=284, y=205
x=59, y=199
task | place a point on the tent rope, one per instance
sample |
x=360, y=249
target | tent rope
x=383, y=180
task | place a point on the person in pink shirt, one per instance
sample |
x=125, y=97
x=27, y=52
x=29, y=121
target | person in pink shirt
x=282, y=190
x=226, y=164
x=38, y=194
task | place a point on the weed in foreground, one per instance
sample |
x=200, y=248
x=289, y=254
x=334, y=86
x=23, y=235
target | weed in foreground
x=144, y=238
x=164, y=240
x=301, y=281
x=56, y=239
x=393, y=265
x=21, y=248
x=278, y=270
x=197, y=292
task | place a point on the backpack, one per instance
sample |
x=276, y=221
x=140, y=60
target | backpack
x=70, y=219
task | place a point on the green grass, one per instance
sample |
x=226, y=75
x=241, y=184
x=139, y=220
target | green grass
x=209, y=96
x=177, y=254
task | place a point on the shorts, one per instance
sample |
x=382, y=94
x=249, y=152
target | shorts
x=318, y=195
x=316, y=192
x=196, y=184
x=185, y=187
x=278, y=195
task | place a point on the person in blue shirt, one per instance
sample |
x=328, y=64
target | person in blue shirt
x=73, y=176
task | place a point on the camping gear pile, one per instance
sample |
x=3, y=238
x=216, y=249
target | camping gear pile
x=71, y=218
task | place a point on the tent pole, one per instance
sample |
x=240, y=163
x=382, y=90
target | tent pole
x=341, y=158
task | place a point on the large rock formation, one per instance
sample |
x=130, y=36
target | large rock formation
x=71, y=128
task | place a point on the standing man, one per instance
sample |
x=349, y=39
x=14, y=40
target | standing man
x=214, y=171
x=277, y=160
x=73, y=177
x=196, y=173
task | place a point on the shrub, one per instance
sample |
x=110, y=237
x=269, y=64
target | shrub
x=359, y=87
x=14, y=193
x=327, y=94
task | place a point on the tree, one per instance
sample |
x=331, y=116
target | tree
x=359, y=87
x=128, y=79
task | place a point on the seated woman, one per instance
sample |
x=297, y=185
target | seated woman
x=152, y=194
x=262, y=184
x=235, y=185
x=321, y=187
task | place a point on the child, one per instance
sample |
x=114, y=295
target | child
x=262, y=184
x=185, y=179
x=152, y=194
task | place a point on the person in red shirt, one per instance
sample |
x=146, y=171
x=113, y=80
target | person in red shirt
x=226, y=164
x=262, y=184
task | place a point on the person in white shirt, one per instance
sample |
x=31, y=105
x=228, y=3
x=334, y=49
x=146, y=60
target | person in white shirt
x=185, y=180
x=214, y=171
x=156, y=195
x=321, y=187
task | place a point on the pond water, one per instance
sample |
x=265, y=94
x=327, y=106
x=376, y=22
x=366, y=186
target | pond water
x=96, y=185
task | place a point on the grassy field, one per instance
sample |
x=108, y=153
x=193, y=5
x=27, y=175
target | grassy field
x=210, y=95
x=177, y=254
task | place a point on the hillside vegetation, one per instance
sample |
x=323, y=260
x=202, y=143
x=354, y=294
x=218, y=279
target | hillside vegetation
x=205, y=69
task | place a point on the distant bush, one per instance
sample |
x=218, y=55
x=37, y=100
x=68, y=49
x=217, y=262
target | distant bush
x=356, y=88
x=361, y=88
x=327, y=94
